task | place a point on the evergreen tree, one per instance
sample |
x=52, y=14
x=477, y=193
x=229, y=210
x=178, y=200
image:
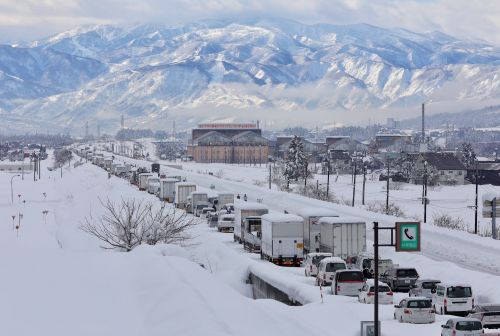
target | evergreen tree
x=296, y=162
x=468, y=155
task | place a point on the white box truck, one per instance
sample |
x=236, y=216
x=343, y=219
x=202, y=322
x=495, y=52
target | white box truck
x=241, y=211
x=153, y=185
x=282, y=241
x=344, y=237
x=199, y=201
x=107, y=163
x=143, y=180
x=223, y=199
x=182, y=191
x=312, y=228
x=167, y=189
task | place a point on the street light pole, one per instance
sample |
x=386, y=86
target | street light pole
x=12, y=189
x=354, y=181
x=425, y=192
x=387, y=187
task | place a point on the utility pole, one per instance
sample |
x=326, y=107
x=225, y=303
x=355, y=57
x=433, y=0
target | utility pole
x=375, y=274
x=387, y=187
x=476, y=180
x=364, y=184
x=269, y=174
x=35, y=165
x=328, y=180
x=354, y=182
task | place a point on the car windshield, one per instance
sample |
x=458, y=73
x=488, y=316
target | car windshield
x=429, y=285
x=469, y=325
x=317, y=259
x=459, y=292
x=419, y=304
x=366, y=263
x=333, y=267
x=381, y=289
x=410, y=272
x=350, y=276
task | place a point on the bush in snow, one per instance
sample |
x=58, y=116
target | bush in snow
x=129, y=223
x=446, y=221
x=380, y=207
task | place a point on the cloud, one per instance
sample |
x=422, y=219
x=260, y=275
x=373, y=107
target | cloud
x=469, y=19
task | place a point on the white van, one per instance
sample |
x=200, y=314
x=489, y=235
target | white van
x=312, y=261
x=327, y=268
x=455, y=298
x=348, y=282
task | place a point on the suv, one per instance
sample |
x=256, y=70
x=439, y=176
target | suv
x=399, y=278
x=456, y=299
x=425, y=288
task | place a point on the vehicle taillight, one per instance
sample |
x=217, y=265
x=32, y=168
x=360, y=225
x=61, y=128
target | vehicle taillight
x=407, y=311
x=445, y=302
x=454, y=333
x=390, y=293
x=371, y=293
x=432, y=311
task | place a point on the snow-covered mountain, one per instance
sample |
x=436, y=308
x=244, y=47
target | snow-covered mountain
x=216, y=69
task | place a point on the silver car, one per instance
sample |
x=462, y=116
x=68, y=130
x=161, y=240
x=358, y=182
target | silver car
x=415, y=310
x=424, y=288
x=489, y=314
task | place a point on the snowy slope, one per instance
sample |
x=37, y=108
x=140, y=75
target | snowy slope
x=223, y=66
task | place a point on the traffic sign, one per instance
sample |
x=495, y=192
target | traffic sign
x=407, y=236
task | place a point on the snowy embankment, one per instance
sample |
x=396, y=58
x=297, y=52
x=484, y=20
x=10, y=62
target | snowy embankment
x=57, y=281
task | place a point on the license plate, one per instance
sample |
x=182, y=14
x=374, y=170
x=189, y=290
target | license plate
x=407, y=281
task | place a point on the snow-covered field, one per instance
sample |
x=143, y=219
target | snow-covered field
x=57, y=281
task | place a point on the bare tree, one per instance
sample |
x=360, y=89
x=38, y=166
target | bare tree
x=129, y=223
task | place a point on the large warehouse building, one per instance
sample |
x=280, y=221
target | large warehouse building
x=228, y=143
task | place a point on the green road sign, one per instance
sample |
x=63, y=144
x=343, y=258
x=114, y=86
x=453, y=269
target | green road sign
x=408, y=236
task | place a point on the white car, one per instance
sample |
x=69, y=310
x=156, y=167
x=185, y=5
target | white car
x=311, y=262
x=455, y=298
x=367, y=293
x=226, y=222
x=462, y=327
x=327, y=268
x=415, y=310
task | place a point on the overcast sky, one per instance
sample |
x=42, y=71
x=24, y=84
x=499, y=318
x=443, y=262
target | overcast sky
x=25, y=20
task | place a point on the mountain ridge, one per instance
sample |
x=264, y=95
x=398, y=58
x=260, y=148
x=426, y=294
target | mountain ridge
x=202, y=71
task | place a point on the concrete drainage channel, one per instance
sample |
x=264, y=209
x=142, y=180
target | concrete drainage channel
x=263, y=290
